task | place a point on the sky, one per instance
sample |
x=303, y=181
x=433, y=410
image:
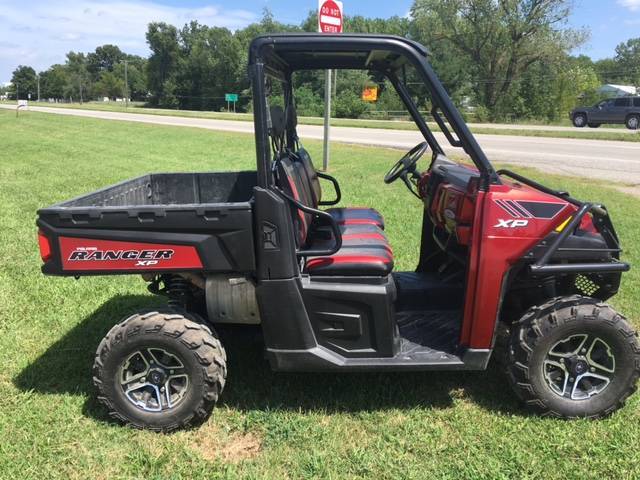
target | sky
x=40, y=32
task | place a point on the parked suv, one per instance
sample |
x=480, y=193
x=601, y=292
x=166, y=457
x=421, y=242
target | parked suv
x=615, y=110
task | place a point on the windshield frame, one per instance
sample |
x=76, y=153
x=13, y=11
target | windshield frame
x=320, y=51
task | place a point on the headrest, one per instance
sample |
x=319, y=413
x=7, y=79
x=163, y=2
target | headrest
x=277, y=127
x=292, y=118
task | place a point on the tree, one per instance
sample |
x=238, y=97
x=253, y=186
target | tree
x=608, y=71
x=136, y=76
x=308, y=103
x=162, y=66
x=104, y=58
x=109, y=85
x=24, y=82
x=549, y=89
x=211, y=65
x=348, y=104
x=500, y=39
x=628, y=61
x=79, y=83
x=53, y=82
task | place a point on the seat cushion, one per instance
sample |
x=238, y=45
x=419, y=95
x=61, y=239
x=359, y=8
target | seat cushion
x=353, y=261
x=357, y=216
x=362, y=229
x=369, y=240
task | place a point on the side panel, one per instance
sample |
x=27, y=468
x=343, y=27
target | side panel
x=81, y=251
x=275, y=244
x=514, y=219
x=285, y=323
x=353, y=319
x=222, y=235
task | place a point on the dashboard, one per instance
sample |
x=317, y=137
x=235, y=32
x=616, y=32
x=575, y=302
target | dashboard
x=449, y=191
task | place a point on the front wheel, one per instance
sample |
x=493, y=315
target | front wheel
x=633, y=122
x=579, y=120
x=573, y=357
x=159, y=371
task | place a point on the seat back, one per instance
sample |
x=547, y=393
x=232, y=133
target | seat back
x=303, y=157
x=311, y=176
x=290, y=179
x=285, y=174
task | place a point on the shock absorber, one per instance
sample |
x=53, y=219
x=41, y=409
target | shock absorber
x=178, y=290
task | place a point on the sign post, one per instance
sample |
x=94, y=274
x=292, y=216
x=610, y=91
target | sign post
x=233, y=98
x=329, y=21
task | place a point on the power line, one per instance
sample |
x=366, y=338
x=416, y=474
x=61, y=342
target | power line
x=548, y=76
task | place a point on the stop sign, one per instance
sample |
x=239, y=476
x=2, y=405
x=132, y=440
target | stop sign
x=329, y=16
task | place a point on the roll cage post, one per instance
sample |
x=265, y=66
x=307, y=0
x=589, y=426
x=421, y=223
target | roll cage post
x=260, y=123
x=466, y=139
x=414, y=112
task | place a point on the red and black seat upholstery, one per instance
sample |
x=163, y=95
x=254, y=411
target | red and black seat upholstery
x=343, y=215
x=352, y=261
x=365, y=250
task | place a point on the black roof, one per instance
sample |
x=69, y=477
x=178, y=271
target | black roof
x=303, y=51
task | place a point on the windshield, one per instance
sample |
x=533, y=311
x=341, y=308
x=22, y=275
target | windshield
x=399, y=101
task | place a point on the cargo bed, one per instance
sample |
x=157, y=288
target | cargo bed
x=207, y=217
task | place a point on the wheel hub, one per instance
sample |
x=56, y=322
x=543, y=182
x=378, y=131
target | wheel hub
x=157, y=376
x=154, y=379
x=579, y=366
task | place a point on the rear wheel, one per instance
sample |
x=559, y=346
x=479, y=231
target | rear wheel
x=573, y=357
x=579, y=120
x=633, y=122
x=160, y=371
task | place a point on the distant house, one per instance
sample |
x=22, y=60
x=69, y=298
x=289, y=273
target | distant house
x=611, y=90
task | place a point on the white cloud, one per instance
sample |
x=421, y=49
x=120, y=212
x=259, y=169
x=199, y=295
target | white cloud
x=630, y=4
x=41, y=32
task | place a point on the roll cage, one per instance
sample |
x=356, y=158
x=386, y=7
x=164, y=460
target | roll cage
x=279, y=56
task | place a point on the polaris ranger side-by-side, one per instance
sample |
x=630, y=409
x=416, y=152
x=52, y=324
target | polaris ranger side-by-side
x=505, y=263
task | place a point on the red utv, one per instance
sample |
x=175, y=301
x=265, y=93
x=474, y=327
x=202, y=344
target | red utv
x=504, y=262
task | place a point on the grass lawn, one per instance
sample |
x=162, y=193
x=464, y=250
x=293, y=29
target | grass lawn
x=498, y=129
x=378, y=426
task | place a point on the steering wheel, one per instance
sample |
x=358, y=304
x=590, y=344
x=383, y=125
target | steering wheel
x=407, y=164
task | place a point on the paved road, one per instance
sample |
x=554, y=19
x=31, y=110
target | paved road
x=608, y=160
x=551, y=128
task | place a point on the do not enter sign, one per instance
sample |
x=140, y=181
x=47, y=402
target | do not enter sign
x=329, y=16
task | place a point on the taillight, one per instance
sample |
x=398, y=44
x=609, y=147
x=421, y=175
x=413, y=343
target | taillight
x=45, y=247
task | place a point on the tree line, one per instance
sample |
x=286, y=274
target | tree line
x=499, y=58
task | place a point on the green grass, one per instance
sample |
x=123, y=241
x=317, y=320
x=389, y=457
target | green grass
x=378, y=426
x=499, y=129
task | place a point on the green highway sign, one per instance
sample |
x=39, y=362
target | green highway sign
x=231, y=97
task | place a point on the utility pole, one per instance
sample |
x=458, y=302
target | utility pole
x=80, y=88
x=126, y=86
x=38, y=78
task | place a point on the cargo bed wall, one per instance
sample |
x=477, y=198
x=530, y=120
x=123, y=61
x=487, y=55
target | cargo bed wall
x=172, y=189
x=204, y=219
